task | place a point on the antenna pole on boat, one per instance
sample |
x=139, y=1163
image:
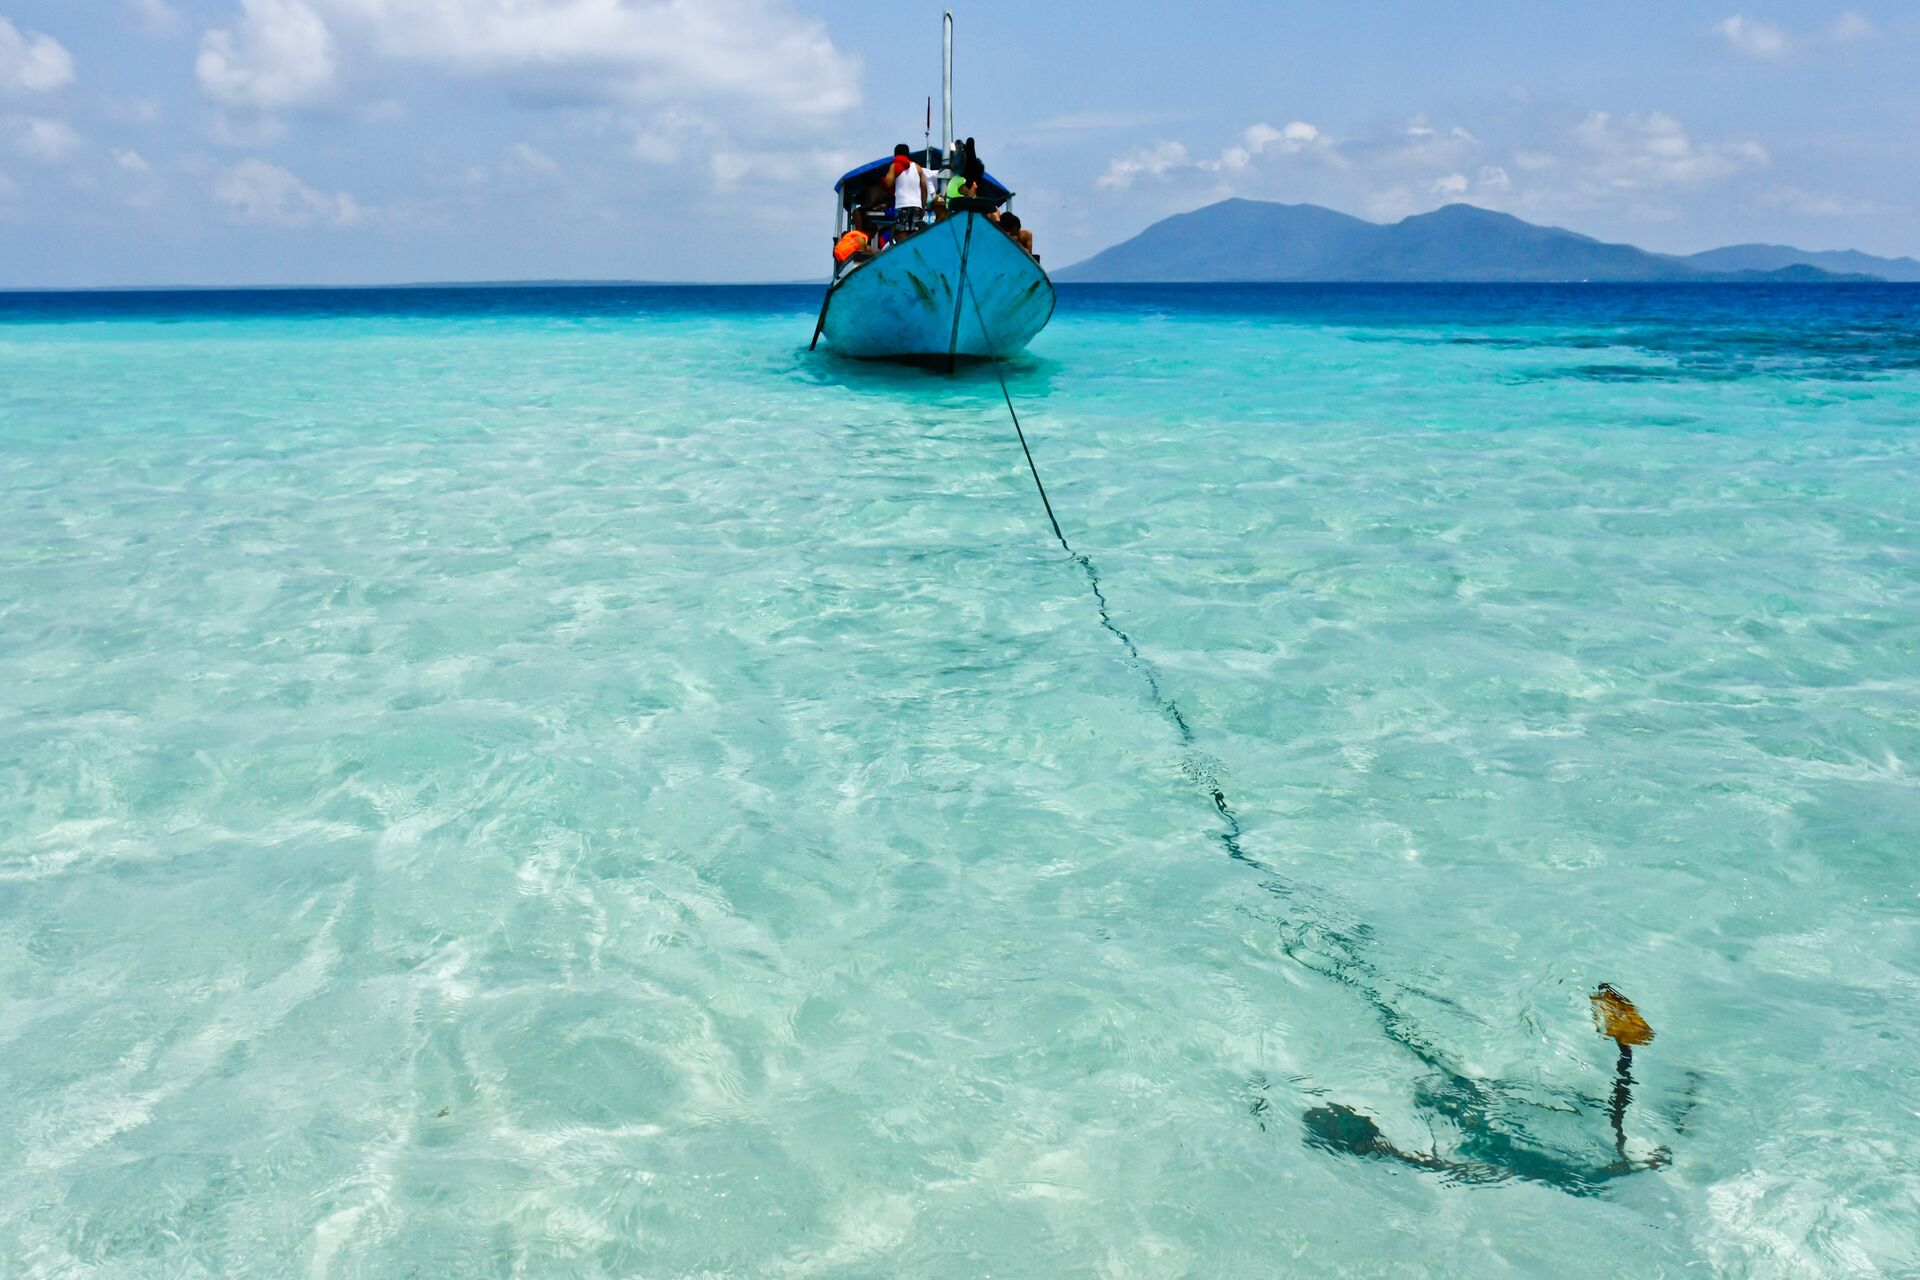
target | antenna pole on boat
x=946, y=93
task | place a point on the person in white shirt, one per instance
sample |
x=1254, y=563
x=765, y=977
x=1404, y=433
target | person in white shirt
x=910, y=189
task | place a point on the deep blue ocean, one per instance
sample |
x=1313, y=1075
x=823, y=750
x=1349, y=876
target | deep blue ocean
x=563, y=781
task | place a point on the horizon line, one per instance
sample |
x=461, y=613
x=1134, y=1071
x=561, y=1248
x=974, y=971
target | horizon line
x=1838, y=281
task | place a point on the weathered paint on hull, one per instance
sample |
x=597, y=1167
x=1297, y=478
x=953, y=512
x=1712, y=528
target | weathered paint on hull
x=901, y=304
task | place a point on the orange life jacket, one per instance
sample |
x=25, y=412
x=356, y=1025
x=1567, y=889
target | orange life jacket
x=850, y=244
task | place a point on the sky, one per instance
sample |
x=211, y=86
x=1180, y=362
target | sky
x=206, y=142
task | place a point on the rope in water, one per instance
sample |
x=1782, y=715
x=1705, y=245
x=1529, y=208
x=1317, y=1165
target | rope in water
x=1334, y=950
x=1195, y=766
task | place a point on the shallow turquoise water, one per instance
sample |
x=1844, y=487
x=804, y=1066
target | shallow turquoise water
x=571, y=785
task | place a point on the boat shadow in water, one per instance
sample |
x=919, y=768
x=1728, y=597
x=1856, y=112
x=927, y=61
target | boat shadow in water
x=1029, y=375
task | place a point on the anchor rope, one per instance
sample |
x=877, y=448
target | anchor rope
x=1329, y=947
x=1193, y=764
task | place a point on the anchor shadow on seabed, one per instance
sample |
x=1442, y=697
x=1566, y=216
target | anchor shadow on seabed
x=1490, y=1147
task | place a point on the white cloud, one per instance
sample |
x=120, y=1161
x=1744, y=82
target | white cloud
x=1297, y=136
x=682, y=79
x=1813, y=204
x=1626, y=162
x=779, y=168
x=1095, y=122
x=663, y=136
x=1419, y=148
x=1636, y=151
x=46, y=139
x=533, y=160
x=1256, y=140
x=1851, y=26
x=757, y=54
x=1392, y=204
x=241, y=130
x=1420, y=132
x=31, y=62
x=131, y=161
x=1149, y=161
x=278, y=54
x=1487, y=185
x=267, y=195
x=1260, y=139
x=1769, y=42
x=158, y=13
x=141, y=111
x=1754, y=38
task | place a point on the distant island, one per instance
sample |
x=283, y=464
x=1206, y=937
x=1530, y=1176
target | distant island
x=1250, y=241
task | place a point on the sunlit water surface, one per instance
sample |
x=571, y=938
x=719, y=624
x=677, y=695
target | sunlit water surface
x=567, y=783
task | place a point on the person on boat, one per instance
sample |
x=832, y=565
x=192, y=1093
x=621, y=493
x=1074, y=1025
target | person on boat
x=909, y=192
x=856, y=243
x=869, y=210
x=1009, y=222
x=966, y=178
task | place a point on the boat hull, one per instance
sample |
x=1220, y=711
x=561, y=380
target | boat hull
x=960, y=288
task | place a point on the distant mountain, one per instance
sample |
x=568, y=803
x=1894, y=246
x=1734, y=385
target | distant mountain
x=1772, y=257
x=1252, y=240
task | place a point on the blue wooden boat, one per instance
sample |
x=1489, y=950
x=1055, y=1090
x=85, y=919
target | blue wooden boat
x=959, y=288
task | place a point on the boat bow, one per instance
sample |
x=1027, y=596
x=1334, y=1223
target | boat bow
x=959, y=289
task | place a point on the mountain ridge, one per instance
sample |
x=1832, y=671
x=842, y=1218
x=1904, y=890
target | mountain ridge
x=1255, y=241
x=1773, y=257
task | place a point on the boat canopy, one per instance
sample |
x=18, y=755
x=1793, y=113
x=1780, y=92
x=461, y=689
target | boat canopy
x=851, y=185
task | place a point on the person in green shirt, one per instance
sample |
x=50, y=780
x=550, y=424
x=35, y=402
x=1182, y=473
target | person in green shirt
x=966, y=180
